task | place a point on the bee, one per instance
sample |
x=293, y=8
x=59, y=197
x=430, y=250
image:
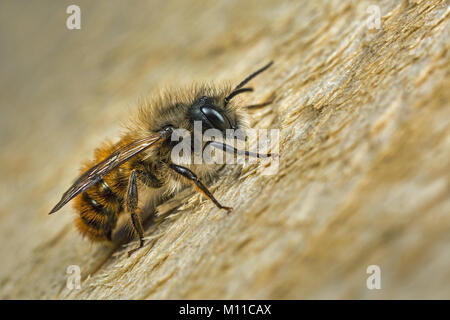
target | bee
x=108, y=186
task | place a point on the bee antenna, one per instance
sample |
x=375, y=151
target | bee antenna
x=239, y=89
x=254, y=74
x=235, y=93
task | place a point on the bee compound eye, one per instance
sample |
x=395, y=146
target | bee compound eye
x=216, y=118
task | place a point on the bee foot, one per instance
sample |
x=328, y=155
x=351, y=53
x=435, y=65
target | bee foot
x=136, y=249
x=228, y=209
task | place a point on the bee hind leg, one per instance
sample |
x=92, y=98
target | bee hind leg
x=131, y=204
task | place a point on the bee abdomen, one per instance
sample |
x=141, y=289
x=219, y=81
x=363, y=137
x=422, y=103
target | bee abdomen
x=98, y=208
x=107, y=194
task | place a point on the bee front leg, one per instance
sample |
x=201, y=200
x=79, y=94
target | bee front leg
x=234, y=151
x=132, y=203
x=259, y=105
x=185, y=172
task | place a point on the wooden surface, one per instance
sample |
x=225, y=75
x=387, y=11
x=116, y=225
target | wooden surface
x=365, y=148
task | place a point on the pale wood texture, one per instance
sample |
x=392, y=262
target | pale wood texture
x=365, y=148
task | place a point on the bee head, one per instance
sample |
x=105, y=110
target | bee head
x=211, y=116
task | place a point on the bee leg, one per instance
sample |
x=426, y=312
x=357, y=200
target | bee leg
x=132, y=203
x=185, y=172
x=259, y=105
x=233, y=150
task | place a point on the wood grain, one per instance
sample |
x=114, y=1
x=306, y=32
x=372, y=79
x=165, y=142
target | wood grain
x=363, y=175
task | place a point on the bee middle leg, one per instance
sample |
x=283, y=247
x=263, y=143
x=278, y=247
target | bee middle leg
x=185, y=172
x=131, y=204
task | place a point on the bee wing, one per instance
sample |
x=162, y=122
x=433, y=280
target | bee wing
x=97, y=172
